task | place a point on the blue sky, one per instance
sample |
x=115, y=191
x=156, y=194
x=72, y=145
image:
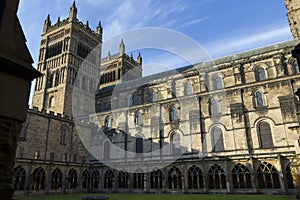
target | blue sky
x=222, y=27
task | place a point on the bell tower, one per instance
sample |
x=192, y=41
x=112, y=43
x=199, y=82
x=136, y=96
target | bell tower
x=293, y=7
x=64, y=47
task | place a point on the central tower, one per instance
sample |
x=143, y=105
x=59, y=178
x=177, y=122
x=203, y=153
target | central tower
x=64, y=46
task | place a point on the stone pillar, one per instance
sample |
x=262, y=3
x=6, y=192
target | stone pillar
x=281, y=175
x=228, y=183
x=185, y=179
x=130, y=185
x=28, y=179
x=16, y=74
x=147, y=181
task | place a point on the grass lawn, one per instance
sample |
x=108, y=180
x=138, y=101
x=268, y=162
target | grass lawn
x=160, y=197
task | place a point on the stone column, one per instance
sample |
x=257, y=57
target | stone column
x=16, y=74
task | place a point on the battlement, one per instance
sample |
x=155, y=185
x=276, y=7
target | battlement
x=72, y=19
x=36, y=110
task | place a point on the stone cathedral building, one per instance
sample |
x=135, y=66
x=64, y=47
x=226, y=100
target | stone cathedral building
x=242, y=112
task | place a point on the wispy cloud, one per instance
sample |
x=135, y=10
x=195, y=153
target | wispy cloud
x=192, y=22
x=235, y=44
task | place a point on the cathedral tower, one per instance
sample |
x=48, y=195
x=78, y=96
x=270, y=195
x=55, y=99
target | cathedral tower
x=64, y=46
x=293, y=7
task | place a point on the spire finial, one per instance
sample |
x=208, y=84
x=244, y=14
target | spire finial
x=122, y=48
x=73, y=12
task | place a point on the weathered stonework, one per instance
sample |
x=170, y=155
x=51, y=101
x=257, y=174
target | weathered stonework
x=249, y=100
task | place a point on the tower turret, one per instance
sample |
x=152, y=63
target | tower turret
x=47, y=23
x=139, y=59
x=99, y=29
x=122, y=48
x=73, y=12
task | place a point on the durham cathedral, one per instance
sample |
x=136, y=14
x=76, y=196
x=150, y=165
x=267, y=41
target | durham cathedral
x=241, y=111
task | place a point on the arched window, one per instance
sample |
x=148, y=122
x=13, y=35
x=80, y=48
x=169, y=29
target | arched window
x=72, y=179
x=188, y=89
x=259, y=100
x=214, y=107
x=95, y=179
x=173, y=90
x=267, y=176
x=217, y=139
x=156, y=179
x=173, y=113
x=85, y=179
x=130, y=101
x=260, y=74
x=107, y=122
x=123, y=179
x=289, y=178
x=175, y=178
x=51, y=102
x=138, y=119
x=108, y=179
x=195, y=178
x=63, y=135
x=241, y=177
x=56, y=181
x=38, y=179
x=264, y=135
x=218, y=83
x=139, y=145
x=106, y=152
x=175, y=144
x=19, y=178
x=216, y=177
x=154, y=96
x=138, y=179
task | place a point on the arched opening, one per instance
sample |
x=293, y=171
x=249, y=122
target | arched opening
x=38, y=179
x=19, y=178
x=85, y=179
x=241, y=177
x=214, y=107
x=218, y=83
x=138, y=179
x=264, y=135
x=123, y=180
x=217, y=139
x=139, y=145
x=175, y=178
x=138, y=119
x=195, y=178
x=56, y=181
x=259, y=100
x=267, y=176
x=216, y=177
x=108, y=179
x=173, y=113
x=95, y=179
x=260, y=74
x=188, y=89
x=156, y=179
x=72, y=179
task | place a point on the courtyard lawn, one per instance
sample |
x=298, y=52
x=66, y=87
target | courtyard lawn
x=161, y=197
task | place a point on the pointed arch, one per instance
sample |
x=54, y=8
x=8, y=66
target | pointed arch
x=264, y=134
x=216, y=177
x=188, y=89
x=156, y=179
x=108, y=179
x=19, y=178
x=267, y=176
x=72, y=179
x=195, y=178
x=123, y=178
x=241, y=177
x=217, y=139
x=174, y=178
x=38, y=179
x=56, y=181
